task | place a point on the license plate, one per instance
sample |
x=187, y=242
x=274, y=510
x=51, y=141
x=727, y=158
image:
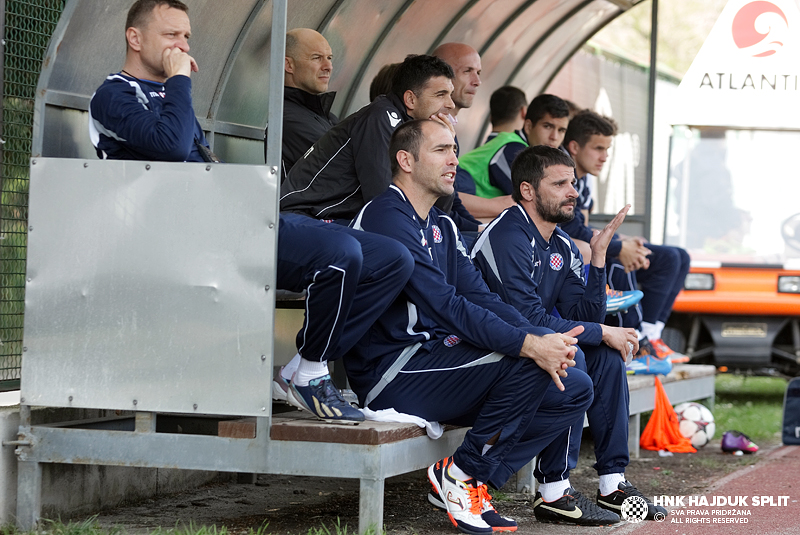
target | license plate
x=744, y=330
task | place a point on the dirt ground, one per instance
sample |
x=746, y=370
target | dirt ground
x=293, y=505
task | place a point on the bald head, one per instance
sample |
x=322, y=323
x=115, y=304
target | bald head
x=309, y=61
x=466, y=64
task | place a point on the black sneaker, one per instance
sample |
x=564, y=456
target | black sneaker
x=613, y=501
x=572, y=508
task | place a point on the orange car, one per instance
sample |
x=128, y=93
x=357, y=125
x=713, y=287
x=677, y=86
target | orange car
x=743, y=317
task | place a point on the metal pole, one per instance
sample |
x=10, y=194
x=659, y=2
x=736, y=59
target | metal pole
x=274, y=144
x=276, y=59
x=2, y=87
x=651, y=112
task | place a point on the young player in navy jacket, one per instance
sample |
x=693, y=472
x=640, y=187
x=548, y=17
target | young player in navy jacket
x=534, y=266
x=449, y=350
x=660, y=270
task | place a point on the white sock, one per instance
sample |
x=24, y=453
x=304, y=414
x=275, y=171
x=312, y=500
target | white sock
x=659, y=329
x=288, y=370
x=486, y=447
x=553, y=491
x=610, y=482
x=458, y=473
x=649, y=330
x=308, y=370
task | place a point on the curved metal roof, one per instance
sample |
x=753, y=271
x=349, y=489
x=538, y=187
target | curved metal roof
x=522, y=42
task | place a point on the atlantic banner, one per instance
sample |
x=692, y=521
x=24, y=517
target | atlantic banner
x=747, y=73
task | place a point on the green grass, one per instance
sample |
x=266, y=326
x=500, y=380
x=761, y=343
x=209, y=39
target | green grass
x=752, y=405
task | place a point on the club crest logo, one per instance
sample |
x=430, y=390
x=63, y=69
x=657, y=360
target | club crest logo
x=437, y=234
x=760, y=28
x=556, y=262
x=634, y=509
x=452, y=340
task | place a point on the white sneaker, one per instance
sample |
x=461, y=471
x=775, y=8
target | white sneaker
x=280, y=386
x=463, y=499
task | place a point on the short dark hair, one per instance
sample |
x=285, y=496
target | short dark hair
x=504, y=104
x=140, y=11
x=408, y=137
x=415, y=71
x=382, y=83
x=587, y=124
x=550, y=104
x=530, y=164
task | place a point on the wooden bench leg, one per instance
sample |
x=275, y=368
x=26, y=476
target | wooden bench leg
x=525, y=481
x=634, y=431
x=370, y=506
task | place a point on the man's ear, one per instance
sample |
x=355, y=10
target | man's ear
x=404, y=159
x=526, y=191
x=409, y=99
x=288, y=65
x=523, y=111
x=573, y=147
x=527, y=127
x=134, y=38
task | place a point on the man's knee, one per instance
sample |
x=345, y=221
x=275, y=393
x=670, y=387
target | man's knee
x=578, y=391
x=341, y=251
x=603, y=360
x=384, y=256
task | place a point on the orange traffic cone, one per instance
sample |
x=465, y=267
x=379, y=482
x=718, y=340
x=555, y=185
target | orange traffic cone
x=662, y=432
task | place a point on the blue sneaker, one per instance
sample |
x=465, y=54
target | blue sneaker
x=647, y=362
x=322, y=399
x=620, y=301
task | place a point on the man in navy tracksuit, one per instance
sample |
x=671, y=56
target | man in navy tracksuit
x=449, y=350
x=534, y=266
x=145, y=112
x=659, y=269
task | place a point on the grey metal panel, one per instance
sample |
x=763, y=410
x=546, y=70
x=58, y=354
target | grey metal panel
x=67, y=134
x=149, y=285
x=235, y=149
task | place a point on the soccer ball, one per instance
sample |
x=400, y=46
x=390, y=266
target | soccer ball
x=696, y=423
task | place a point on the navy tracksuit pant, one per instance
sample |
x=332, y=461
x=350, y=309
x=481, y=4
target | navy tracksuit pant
x=493, y=393
x=661, y=283
x=607, y=415
x=350, y=277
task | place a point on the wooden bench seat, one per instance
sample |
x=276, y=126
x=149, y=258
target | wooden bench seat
x=302, y=426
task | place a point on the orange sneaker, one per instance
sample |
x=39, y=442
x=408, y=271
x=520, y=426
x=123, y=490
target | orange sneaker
x=663, y=351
